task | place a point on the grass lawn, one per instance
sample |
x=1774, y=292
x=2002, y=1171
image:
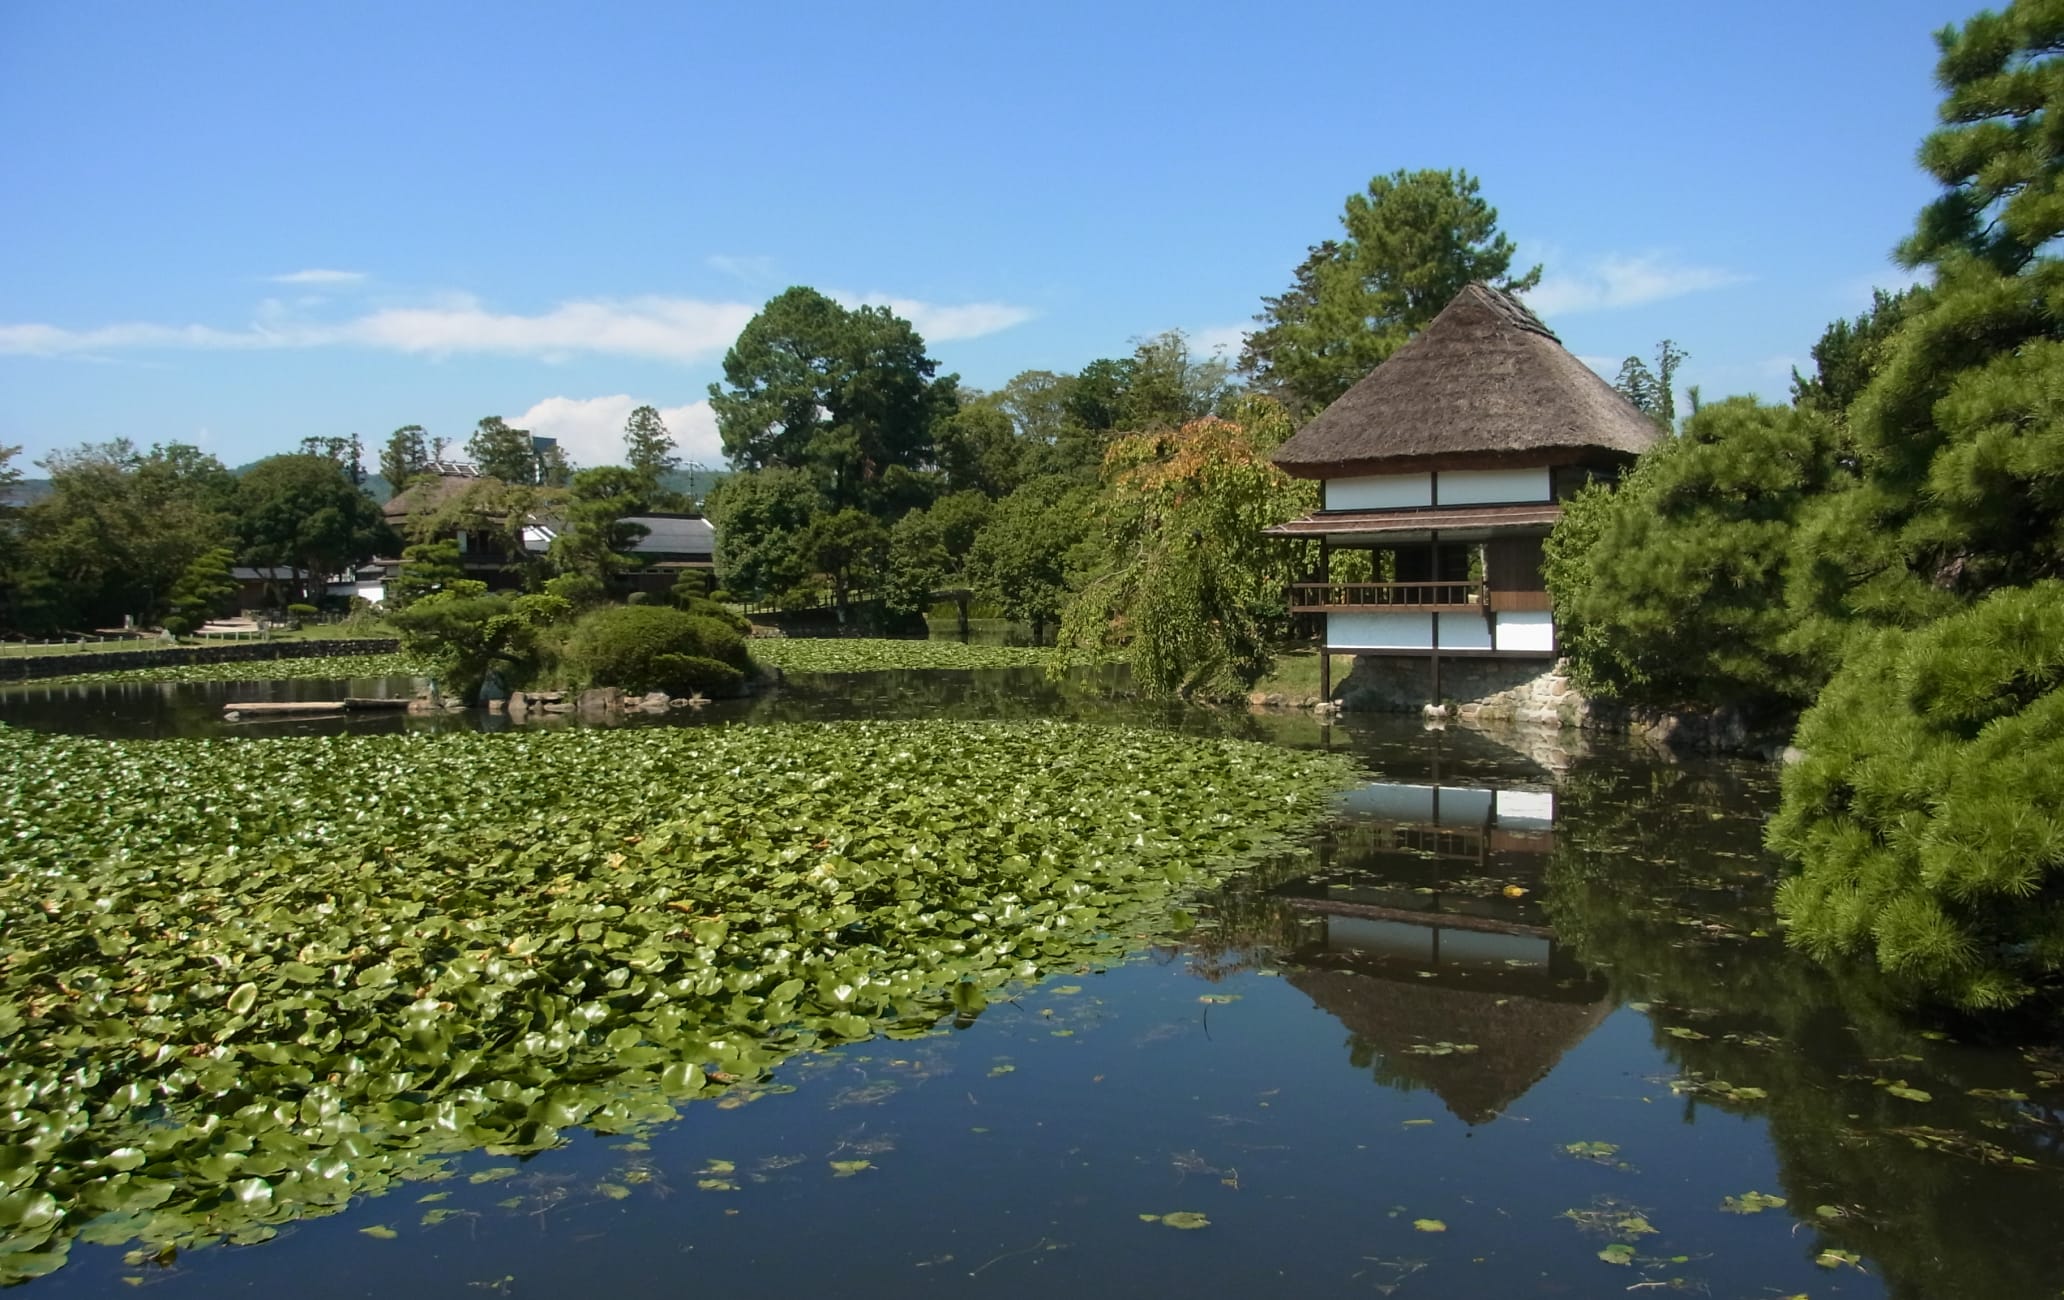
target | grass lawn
x=99, y=645
x=1295, y=674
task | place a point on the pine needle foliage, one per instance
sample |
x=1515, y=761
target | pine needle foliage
x=1928, y=813
x=1188, y=587
x=1670, y=587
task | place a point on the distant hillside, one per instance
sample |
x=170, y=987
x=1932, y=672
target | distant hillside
x=29, y=491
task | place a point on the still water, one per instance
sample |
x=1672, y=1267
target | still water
x=1517, y=1024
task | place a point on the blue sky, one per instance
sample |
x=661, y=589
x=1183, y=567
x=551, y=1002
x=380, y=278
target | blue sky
x=239, y=225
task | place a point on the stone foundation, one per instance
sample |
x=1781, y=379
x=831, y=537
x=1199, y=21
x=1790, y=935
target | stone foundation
x=1506, y=693
x=1476, y=690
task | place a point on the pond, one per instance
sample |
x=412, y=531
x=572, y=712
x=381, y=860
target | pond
x=1515, y=1022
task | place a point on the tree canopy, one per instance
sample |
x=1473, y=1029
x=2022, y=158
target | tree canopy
x=1670, y=589
x=500, y=451
x=844, y=394
x=1410, y=242
x=304, y=512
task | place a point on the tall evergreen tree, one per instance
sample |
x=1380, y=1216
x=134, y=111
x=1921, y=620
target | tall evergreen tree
x=1412, y=241
x=1924, y=822
x=406, y=455
x=1960, y=434
x=649, y=447
x=502, y=452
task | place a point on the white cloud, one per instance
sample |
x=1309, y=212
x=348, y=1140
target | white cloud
x=940, y=324
x=317, y=275
x=666, y=329
x=590, y=429
x=1615, y=281
x=1215, y=339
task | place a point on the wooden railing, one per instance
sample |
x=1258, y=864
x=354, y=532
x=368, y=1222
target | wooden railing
x=1320, y=597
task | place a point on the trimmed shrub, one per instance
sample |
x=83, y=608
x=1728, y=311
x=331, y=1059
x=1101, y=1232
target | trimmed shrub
x=638, y=598
x=179, y=626
x=681, y=674
x=302, y=613
x=619, y=645
x=577, y=589
x=710, y=609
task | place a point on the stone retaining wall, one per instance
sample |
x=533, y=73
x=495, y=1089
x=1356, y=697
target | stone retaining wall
x=29, y=668
x=1532, y=692
x=1488, y=690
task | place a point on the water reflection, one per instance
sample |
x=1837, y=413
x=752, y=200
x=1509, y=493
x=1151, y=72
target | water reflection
x=1422, y=939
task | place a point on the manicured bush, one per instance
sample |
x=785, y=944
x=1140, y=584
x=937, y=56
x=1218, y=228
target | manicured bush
x=1927, y=818
x=619, y=645
x=638, y=598
x=681, y=674
x=178, y=626
x=722, y=596
x=710, y=609
x=302, y=613
x=577, y=589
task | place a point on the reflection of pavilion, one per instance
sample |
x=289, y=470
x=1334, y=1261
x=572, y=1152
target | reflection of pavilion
x=1426, y=933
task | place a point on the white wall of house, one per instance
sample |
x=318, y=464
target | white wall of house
x=1524, y=629
x=1465, y=630
x=1379, y=492
x=1525, y=809
x=1379, y=631
x=1475, y=487
x=1444, y=805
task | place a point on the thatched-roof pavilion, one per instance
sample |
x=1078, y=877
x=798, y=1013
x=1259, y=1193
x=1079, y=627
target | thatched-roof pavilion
x=1453, y=458
x=1485, y=385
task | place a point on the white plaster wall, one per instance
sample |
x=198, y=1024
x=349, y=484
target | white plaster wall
x=1380, y=492
x=1379, y=631
x=1526, y=809
x=1464, y=807
x=1446, y=806
x=1391, y=801
x=1464, y=630
x=1472, y=487
x=1524, y=629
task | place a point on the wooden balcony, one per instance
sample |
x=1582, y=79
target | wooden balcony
x=1384, y=597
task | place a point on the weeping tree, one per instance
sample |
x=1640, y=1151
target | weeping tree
x=1188, y=586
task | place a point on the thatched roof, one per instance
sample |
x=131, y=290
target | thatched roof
x=426, y=493
x=1485, y=383
x=1518, y=1039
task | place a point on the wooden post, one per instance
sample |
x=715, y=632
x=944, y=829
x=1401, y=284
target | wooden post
x=1325, y=620
x=1433, y=618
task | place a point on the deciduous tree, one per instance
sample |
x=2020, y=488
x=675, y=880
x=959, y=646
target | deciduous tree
x=1189, y=586
x=304, y=512
x=843, y=394
x=760, y=519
